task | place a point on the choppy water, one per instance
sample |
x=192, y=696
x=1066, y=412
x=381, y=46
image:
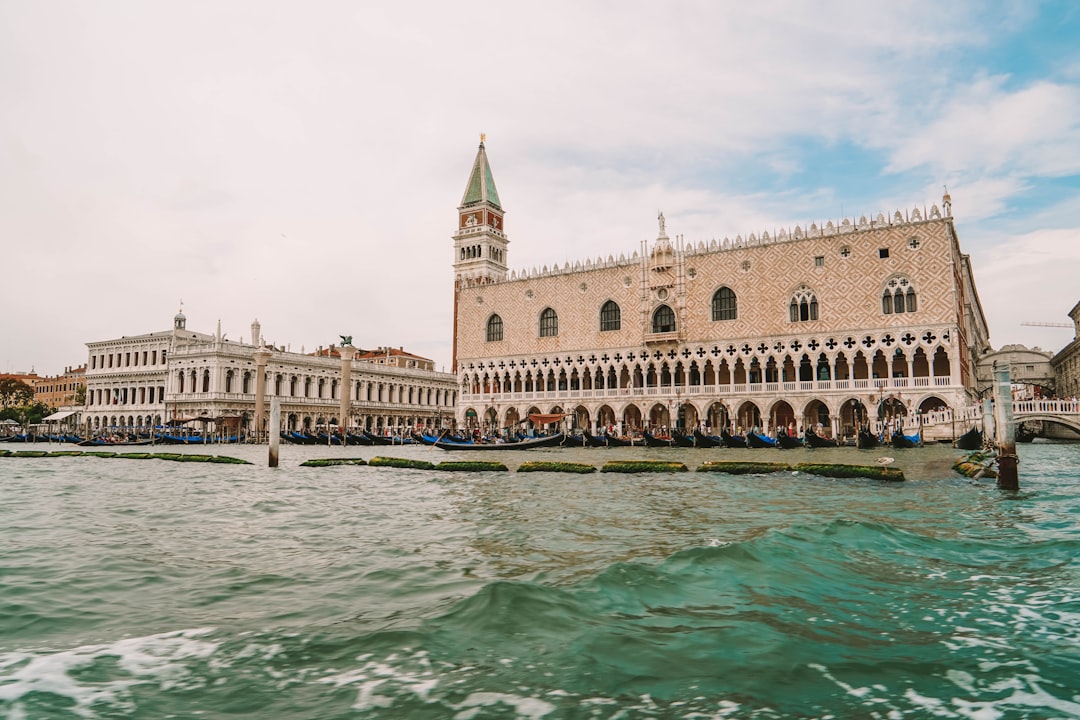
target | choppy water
x=149, y=589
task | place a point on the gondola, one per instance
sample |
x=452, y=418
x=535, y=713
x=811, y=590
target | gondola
x=702, y=440
x=900, y=440
x=615, y=441
x=1022, y=434
x=812, y=439
x=575, y=441
x=595, y=440
x=732, y=441
x=681, y=440
x=971, y=440
x=867, y=440
x=755, y=440
x=106, y=443
x=655, y=441
x=386, y=439
x=549, y=441
x=788, y=442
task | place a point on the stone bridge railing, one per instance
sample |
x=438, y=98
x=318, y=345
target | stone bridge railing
x=1047, y=407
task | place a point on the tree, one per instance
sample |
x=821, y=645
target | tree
x=15, y=392
x=80, y=395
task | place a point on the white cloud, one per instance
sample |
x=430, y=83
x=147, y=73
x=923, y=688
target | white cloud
x=150, y=152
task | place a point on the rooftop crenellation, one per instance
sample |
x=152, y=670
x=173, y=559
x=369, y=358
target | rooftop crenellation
x=914, y=216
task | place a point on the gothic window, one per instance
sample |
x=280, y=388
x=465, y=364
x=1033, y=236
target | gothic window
x=803, y=306
x=724, y=305
x=610, y=316
x=494, y=328
x=663, y=320
x=898, y=296
x=549, y=323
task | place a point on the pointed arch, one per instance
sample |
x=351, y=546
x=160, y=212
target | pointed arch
x=549, y=323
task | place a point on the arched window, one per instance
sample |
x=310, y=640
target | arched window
x=494, y=328
x=803, y=306
x=549, y=323
x=228, y=381
x=663, y=320
x=610, y=316
x=724, y=306
x=898, y=296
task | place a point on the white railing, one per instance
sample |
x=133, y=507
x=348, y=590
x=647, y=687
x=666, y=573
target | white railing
x=1046, y=407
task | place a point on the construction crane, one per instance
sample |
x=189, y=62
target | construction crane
x=1045, y=324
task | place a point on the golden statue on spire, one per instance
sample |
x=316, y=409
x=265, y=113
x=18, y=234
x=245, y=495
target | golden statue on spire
x=483, y=137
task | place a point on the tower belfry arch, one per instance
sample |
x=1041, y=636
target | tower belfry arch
x=480, y=242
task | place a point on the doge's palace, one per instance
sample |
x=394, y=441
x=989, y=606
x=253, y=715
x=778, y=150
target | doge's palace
x=840, y=325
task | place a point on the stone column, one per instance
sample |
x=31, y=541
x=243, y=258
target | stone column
x=261, y=357
x=348, y=352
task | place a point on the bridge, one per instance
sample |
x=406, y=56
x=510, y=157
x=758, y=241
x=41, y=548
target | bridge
x=1062, y=412
x=949, y=424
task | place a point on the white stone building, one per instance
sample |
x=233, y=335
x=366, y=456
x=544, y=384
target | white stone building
x=150, y=380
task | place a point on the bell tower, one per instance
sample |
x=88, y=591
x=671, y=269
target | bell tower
x=480, y=241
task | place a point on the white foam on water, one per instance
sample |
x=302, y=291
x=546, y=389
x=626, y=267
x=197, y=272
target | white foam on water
x=151, y=658
x=526, y=707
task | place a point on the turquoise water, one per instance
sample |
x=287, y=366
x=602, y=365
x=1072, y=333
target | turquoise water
x=150, y=589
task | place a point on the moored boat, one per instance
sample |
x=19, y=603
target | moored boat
x=549, y=441
x=867, y=440
x=732, y=441
x=702, y=440
x=788, y=442
x=971, y=440
x=756, y=440
x=656, y=440
x=812, y=439
x=900, y=440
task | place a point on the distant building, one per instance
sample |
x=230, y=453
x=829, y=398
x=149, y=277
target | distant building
x=1027, y=366
x=1067, y=362
x=61, y=391
x=161, y=377
x=834, y=325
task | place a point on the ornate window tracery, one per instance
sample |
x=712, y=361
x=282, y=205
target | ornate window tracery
x=803, y=306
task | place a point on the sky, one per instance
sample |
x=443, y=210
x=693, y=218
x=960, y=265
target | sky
x=301, y=163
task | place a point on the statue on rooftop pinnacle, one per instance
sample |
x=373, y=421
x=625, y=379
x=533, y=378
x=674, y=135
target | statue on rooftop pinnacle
x=346, y=339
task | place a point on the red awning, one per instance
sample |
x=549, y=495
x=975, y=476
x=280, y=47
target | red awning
x=545, y=419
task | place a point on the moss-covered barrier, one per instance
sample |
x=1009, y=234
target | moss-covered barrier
x=872, y=472
x=643, y=466
x=744, y=468
x=329, y=462
x=398, y=462
x=223, y=459
x=471, y=465
x=976, y=465
x=566, y=467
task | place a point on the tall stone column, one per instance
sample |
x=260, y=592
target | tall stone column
x=348, y=352
x=261, y=357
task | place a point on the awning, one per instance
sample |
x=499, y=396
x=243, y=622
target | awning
x=545, y=419
x=59, y=415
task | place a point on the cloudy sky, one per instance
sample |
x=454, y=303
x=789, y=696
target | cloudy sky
x=301, y=162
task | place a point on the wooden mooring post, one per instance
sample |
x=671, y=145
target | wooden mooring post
x=275, y=429
x=1005, y=429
